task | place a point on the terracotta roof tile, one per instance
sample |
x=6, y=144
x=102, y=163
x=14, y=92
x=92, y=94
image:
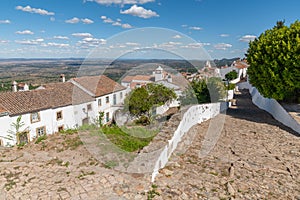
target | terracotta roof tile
x=142, y=78
x=127, y=79
x=99, y=85
x=2, y=109
x=54, y=95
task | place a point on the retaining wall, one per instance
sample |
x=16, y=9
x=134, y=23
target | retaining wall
x=271, y=106
x=194, y=115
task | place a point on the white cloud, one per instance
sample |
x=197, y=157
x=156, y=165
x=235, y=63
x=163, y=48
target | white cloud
x=61, y=37
x=222, y=46
x=139, y=12
x=91, y=42
x=52, y=19
x=132, y=44
x=168, y=44
x=74, y=20
x=4, y=41
x=196, y=45
x=108, y=20
x=87, y=21
x=86, y=35
x=60, y=45
x=247, y=38
x=121, y=2
x=184, y=25
x=115, y=23
x=34, y=10
x=177, y=36
x=5, y=21
x=25, y=32
x=196, y=28
x=126, y=26
x=30, y=42
x=224, y=35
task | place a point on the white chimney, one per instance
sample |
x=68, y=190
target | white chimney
x=14, y=86
x=62, y=78
x=26, y=87
x=169, y=78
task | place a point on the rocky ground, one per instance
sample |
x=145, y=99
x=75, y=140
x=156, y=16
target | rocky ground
x=254, y=157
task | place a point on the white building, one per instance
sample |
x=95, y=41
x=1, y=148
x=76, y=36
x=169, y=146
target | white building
x=158, y=76
x=58, y=106
x=239, y=66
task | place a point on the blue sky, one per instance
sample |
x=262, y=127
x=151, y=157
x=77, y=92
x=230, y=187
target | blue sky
x=73, y=28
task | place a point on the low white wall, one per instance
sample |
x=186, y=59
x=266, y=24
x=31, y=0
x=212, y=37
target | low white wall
x=194, y=115
x=272, y=107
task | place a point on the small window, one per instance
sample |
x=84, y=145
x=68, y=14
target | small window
x=121, y=95
x=23, y=138
x=35, y=117
x=59, y=115
x=107, y=99
x=114, y=99
x=107, y=117
x=60, y=128
x=40, y=131
x=89, y=107
x=99, y=102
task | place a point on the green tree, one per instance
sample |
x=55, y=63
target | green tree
x=231, y=75
x=141, y=100
x=274, y=59
x=202, y=91
x=217, y=90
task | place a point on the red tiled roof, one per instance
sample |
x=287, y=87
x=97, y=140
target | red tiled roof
x=99, y=85
x=241, y=65
x=53, y=96
x=2, y=109
x=142, y=78
x=127, y=79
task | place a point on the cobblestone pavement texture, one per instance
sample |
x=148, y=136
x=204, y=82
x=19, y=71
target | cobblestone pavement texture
x=255, y=158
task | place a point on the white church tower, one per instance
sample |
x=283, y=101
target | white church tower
x=158, y=74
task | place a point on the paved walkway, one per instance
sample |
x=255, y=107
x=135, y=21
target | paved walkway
x=255, y=157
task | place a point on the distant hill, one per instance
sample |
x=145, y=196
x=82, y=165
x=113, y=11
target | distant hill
x=225, y=61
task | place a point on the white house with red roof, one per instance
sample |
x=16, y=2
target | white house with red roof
x=58, y=106
x=240, y=66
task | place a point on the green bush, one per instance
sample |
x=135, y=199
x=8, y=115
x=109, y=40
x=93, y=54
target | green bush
x=274, y=59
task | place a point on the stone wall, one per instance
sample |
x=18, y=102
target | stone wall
x=271, y=106
x=194, y=115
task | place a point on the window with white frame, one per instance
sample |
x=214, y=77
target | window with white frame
x=99, y=102
x=35, y=117
x=121, y=95
x=41, y=131
x=107, y=99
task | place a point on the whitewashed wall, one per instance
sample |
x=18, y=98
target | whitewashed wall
x=47, y=119
x=5, y=122
x=194, y=115
x=271, y=106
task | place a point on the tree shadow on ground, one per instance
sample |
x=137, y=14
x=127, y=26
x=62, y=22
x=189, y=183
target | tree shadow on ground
x=246, y=110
